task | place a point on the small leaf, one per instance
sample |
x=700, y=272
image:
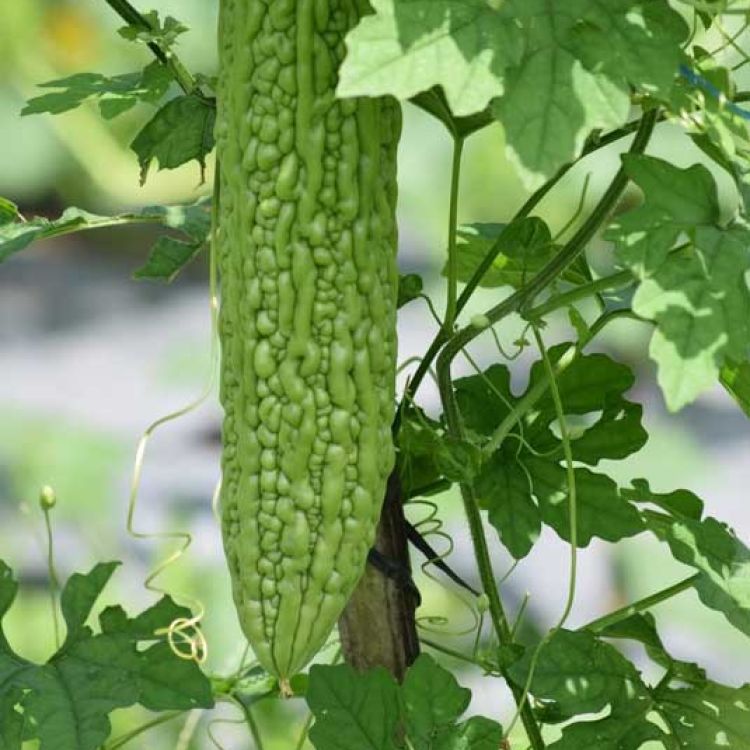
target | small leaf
x=678, y=502
x=525, y=246
x=457, y=460
x=641, y=627
x=8, y=211
x=351, y=710
x=506, y=493
x=477, y=733
x=153, y=31
x=433, y=701
x=418, y=443
x=167, y=258
x=715, y=551
x=79, y=596
x=409, y=288
x=182, y=130
x=115, y=94
x=699, y=297
x=736, y=379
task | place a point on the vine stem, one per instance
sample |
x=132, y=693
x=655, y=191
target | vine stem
x=517, y=302
x=602, y=623
x=451, y=309
x=54, y=581
x=442, y=336
x=158, y=721
x=252, y=725
x=449, y=651
x=133, y=17
x=572, y=520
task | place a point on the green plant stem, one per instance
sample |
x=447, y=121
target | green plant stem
x=54, y=582
x=304, y=732
x=439, y=485
x=618, y=280
x=180, y=73
x=443, y=335
x=451, y=309
x=573, y=523
x=448, y=651
x=648, y=122
x=252, y=725
x=158, y=721
x=518, y=301
x=602, y=623
x=524, y=404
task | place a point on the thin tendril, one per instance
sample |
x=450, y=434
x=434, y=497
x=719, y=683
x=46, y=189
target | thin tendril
x=432, y=526
x=188, y=730
x=519, y=348
x=123, y=740
x=519, y=617
x=506, y=402
x=579, y=209
x=215, y=723
x=184, y=636
x=573, y=519
x=431, y=308
x=407, y=363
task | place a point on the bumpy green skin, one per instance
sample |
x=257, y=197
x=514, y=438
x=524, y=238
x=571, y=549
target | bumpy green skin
x=307, y=245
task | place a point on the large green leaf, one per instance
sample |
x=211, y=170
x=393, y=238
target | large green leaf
x=603, y=512
x=722, y=559
x=698, y=298
x=433, y=702
x=352, y=710
x=523, y=482
x=553, y=71
x=115, y=94
x=369, y=711
x=67, y=701
x=581, y=674
x=410, y=45
x=714, y=716
x=182, y=130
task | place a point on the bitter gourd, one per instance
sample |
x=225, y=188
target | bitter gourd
x=306, y=245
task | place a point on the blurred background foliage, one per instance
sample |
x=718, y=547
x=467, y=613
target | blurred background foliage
x=90, y=358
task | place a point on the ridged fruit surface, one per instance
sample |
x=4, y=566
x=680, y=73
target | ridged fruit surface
x=307, y=253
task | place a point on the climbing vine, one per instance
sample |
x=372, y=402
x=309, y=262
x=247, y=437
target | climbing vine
x=563, y=81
